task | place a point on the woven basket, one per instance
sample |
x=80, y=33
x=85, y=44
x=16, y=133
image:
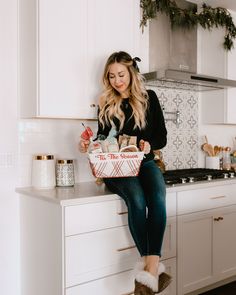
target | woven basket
x=106, y=165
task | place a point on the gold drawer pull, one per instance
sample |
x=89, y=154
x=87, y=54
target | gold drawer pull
x=130, y=293
x=122, y=213
x=218, y=197
x=126, y=248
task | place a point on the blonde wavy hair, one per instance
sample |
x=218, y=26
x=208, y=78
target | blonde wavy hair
x=110, y=100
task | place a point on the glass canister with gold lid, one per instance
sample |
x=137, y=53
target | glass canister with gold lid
x=65, y=172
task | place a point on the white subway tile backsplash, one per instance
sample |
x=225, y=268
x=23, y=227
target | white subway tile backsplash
x=57, y=137
x=7, y=160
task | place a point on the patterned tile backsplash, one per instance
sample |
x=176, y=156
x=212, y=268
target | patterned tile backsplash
x=182, y=146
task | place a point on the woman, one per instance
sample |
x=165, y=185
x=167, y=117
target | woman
x=132, y=110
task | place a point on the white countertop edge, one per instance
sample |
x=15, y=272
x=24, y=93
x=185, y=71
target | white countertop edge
x=90, y=192
x=81, y=193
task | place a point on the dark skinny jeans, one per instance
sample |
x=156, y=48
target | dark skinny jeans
x=144, y=196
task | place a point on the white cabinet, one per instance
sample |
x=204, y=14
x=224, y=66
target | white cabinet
x=217, y=106
x=120, y=284
x=211, y=54
x=206, y=238
x=62, y=58
x=88, y=242
x=63, y=47
x=113, y=25
x=224, y=243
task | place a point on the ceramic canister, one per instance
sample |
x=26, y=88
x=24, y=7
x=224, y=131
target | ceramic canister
x=65, y=173
x=43, y=172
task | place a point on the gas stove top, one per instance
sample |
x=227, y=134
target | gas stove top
x=185, y=176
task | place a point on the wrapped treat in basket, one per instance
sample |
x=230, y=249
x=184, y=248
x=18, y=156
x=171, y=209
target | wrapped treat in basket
x=87, y=134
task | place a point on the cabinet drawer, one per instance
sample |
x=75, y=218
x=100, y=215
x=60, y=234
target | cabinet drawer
x=206, y=198
x=169, y=241
x=171, y=204
x=94, y=216
x=121, y=283
x=98, y=254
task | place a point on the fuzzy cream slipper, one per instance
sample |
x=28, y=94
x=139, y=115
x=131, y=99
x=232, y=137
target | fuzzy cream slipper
x=164, y=281
x=146, y=283
x=144, y=278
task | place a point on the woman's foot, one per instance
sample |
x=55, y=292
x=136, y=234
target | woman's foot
x=149, y=284
x=152, y=264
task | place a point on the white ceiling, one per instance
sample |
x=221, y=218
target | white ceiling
x=229, y=4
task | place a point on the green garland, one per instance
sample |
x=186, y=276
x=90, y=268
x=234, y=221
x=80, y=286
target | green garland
x=188, y=18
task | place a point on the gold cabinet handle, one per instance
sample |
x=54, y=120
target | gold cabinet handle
x=218, y=218
x=217, y=197
x=122, y=213
x=126, y=248
x=130, y=293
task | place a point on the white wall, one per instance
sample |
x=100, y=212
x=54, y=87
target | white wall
x=9, y=230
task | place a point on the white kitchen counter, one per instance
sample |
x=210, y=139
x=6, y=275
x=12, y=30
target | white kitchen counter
x=89, y=192
x=68, y=222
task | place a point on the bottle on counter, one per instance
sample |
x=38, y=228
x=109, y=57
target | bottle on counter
x=221, y=157
x=226, y=158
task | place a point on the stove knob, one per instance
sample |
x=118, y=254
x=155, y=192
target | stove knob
x=231, y=174
x=209, y=177
x=225, y=175
x=183, y=180
x=191, y=179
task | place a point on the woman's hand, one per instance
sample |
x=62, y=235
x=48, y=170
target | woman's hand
x=145, y=146
x=83, y=145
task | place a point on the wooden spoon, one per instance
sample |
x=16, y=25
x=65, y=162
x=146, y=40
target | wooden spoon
x=216, y=150
x=206, y=142
x=208, y=148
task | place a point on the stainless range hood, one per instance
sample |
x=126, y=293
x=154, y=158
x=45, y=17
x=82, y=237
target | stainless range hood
x=179, y=79
x=173, y=57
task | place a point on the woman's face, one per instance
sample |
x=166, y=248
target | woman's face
x=119, y=78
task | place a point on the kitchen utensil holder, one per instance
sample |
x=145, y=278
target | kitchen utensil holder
x=172, y=116
x=213, y=162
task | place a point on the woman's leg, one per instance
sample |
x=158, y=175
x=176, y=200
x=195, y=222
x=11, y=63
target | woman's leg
x=153, y=185
x=147, y=190
x=154, y=188
x=130, y=189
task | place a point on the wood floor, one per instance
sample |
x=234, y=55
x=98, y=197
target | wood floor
x=229, y=289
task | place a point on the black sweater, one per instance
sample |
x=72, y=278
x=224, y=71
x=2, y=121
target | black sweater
x=154, y=132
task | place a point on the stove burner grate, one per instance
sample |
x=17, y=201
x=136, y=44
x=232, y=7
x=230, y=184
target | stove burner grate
x=172, y=177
